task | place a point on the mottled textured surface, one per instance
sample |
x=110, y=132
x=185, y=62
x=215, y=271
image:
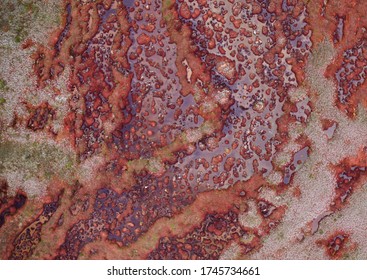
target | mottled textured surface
x=186, y=129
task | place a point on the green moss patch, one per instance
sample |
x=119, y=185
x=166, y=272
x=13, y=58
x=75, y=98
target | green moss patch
x=38, y=161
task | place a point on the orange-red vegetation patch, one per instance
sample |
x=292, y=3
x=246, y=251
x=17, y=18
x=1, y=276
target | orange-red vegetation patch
x=40, y=116
x=26, y=242
x=351, y=173
x=184, y=104
x=344, y=24
x=205, y=242
x=10, y=206
x=337, y=245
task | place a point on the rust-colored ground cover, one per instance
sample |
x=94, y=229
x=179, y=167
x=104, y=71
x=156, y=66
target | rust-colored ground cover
x=187, y=129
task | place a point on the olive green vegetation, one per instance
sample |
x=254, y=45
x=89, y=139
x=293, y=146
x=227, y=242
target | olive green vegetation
x=3, y=86
x=2, y=100
x=35, y=160
x=17, y=17
x=167, y=16
x=166, y=4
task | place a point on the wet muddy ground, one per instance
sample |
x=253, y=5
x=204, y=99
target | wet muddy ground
x=187, y=129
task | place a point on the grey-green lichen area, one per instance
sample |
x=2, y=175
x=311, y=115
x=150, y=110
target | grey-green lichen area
x=21, y=20
x=32, y=165
x=27, y=160
x=316, y=180
x=18, y=17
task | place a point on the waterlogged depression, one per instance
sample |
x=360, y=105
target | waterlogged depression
x=186, y=129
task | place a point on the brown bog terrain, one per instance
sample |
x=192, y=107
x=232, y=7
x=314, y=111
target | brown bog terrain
x=187, y=129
